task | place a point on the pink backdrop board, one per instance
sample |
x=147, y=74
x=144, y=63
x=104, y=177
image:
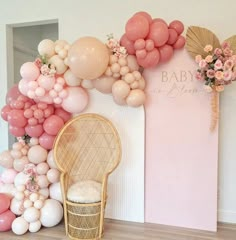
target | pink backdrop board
x=181, y=152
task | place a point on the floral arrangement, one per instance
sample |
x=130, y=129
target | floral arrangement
x=115, y=47
x=31, y=183
x=218, y=68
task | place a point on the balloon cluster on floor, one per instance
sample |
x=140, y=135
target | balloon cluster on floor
x=55, y=87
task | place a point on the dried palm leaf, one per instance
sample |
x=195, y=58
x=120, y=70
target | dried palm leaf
x=232, y=43
x=197, y=38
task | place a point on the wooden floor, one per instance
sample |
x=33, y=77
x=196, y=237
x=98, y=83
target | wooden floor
x=117, y=230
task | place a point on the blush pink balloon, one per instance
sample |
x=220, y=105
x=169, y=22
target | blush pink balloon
x=12, y=94
x=76, y=101
x=53, y=124
x=4, y=202
x=5, y=111
x=29, y=71
x=46, y=82
x=166, y=53
x=151, y=60
x=146, y=15
x=16, y=118
x=173, y=36
x=137, y=27
x=8, y=176
x=158, y=33
x=64, y=115
x=46, y=141
x=17, y=131
x=6, y=160
x=23, y=86
x=179, y=43
x=34, y=131
x=6, y=220
x=177, y=25
x=128, y=44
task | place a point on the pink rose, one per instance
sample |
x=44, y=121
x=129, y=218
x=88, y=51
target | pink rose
x=209, y=58
x=228, y=64
x=218, y=65
x=228, y=52
x=198, y=58
x=227, y=75
x=202, y=63
x=219, y=75
x=225, y=45
x=199, y=76
x=220, y=88
x=218, y=51
x=210, y=73
x=208, y=48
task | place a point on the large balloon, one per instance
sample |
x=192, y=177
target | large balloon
x=88, y=58
x=4, y=202
x=104, y=84
x=151, y=60
x=5, y=111
x=128, y=44
x=6, y=220
x=12, y=94
x=16, y=118
x=76, y=101
x=53, y=124
x=29, y=71
x=46, y=141
x=6, y=160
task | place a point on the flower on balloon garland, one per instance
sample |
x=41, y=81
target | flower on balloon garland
x=31, y=184
x=218, y=68
x=45, y=68
x=24, y=139
x=114, y=46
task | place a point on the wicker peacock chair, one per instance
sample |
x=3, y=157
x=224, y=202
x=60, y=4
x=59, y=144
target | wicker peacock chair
x=87, y=148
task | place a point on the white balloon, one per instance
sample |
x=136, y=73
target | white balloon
x=20, y=179
x=35, y=226
x=55, y=192
x=53, y=175
x=46, y=47
x=8, y=189
x=87, y=83
x=20, y=226
x=37, y=154
x=44, y=192
x=71, y=79
x=51, y=213
x=38, y=204
x=42, y=181
x=50, y=160
x=17, y=206
x=31, y=214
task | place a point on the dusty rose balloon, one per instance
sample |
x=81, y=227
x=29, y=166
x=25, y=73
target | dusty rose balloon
x=29, y=71
x=136, y=98
x=137, y=27
x=151, y=60
x=141, y=53
x=16, y=118
x=64, y=115
x=47, y=82
x=155, y=20
x=53, y=124
x=6, y=220
x=34, y=131
x=5, y=111
x=37, y=154
x=4, y=202
x=17, y=104
x=120, y=89
x=23, y=86
x=88, y=58
x=8, y=176
x=158, y=33
x=166, y=53
x=128, y=44
x=19, y=164
x=173, y=36
x=6, y=160
x=104, y=84
x=146, y=15
x=17, y=131
x=139, y=44
x=179, y=43
x=12, y=94
x=177, y=25
x=76, y=101
x=46, y=141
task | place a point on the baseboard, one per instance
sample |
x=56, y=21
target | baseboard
x=226, y=216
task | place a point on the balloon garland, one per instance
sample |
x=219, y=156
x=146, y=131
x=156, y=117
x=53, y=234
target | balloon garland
x=53, y=88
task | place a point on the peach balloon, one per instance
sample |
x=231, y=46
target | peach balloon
x=50, y=160
x=132, y=63
x=37, y=154
x=19, y=164
x=71, y=79
x=104, y=84
x=42, y=168
x=46, y=47
x=6, y=160
x=136, y=98
x=120, y=89
x=88, y=58
x=58, y=63
x=42, y=181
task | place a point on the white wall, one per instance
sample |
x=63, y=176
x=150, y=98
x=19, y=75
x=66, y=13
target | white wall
x=99, y=18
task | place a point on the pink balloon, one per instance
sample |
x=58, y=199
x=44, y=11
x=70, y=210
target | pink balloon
x=166, y=53
x=149, y=45
x=179, y=43
x=141, y=53
x=158, y=33
x=6, y=220
x=12, y=94
x=46, y=99
x=46, y=141
x=28, y=113
x=46, y=82
x=128, y=44
x=17, y=104
x=155, y=20
x=53, y=124
x=177, y=25
x=16, y=118
x=32, y=121
x=139, y=44
x=76, y=101
x=34, y=131
x=29, y=71
x=173, y=36
x=151, y=60
x=38, y=114
x=23, y=86
x=5, y=111
x=137, y=27
x=4, y=202
x=146, y=15
x=8, y=176
x=6, y=160
x=64, y=115
x=17, y=131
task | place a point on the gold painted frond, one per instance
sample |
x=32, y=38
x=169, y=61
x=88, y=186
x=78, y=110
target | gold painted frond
x=232, y=43
x=197, y=38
